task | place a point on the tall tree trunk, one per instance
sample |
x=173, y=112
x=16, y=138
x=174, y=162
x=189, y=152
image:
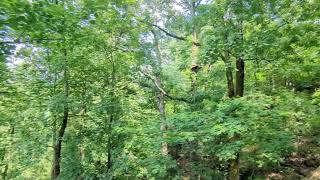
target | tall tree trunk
x=161, y=108
x=230, y=82
x=235, y=168
x=57, y=148
x=229, y=76
x=160, y=95
x=111, y=113
x=255, y=70
x=54, y=142
x=235, y=164
x=109, y=165
x=225, y=56
x=240, y=77
x=194, y=53
x=193, y=156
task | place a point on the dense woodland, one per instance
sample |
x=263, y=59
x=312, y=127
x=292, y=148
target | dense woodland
x=160, y=89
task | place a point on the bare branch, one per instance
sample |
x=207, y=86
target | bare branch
x=167, y=33
x=198, y=3
x=162, y=90
x=171, y=34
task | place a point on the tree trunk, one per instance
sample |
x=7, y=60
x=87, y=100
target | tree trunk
x=230, y=83
x=112, y=113
x=161, y=108
x=57, y=148
x=160, y=94
x=194, y=54
x=255, y=70
x=235, y=164
x=5, y=172
x=109, y=165
x=240, y=77
x=235, y=168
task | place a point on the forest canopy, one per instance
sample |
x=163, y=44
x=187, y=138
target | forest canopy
x=160, y=89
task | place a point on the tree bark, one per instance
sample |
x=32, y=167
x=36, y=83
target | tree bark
x=194, y=54
x=235, y=163
x=163, y=126
x=109, y=165
x=57, y=148
x=160, y=95
x=230, y=83
x=235, y=168
x=240, y=77
x=112, y=113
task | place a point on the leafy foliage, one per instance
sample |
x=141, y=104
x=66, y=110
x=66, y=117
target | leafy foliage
x=138, y=89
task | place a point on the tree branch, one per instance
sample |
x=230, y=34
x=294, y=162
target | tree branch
x=198, y=3
x=162, y=90
x=18, y=41
x=170, y=34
